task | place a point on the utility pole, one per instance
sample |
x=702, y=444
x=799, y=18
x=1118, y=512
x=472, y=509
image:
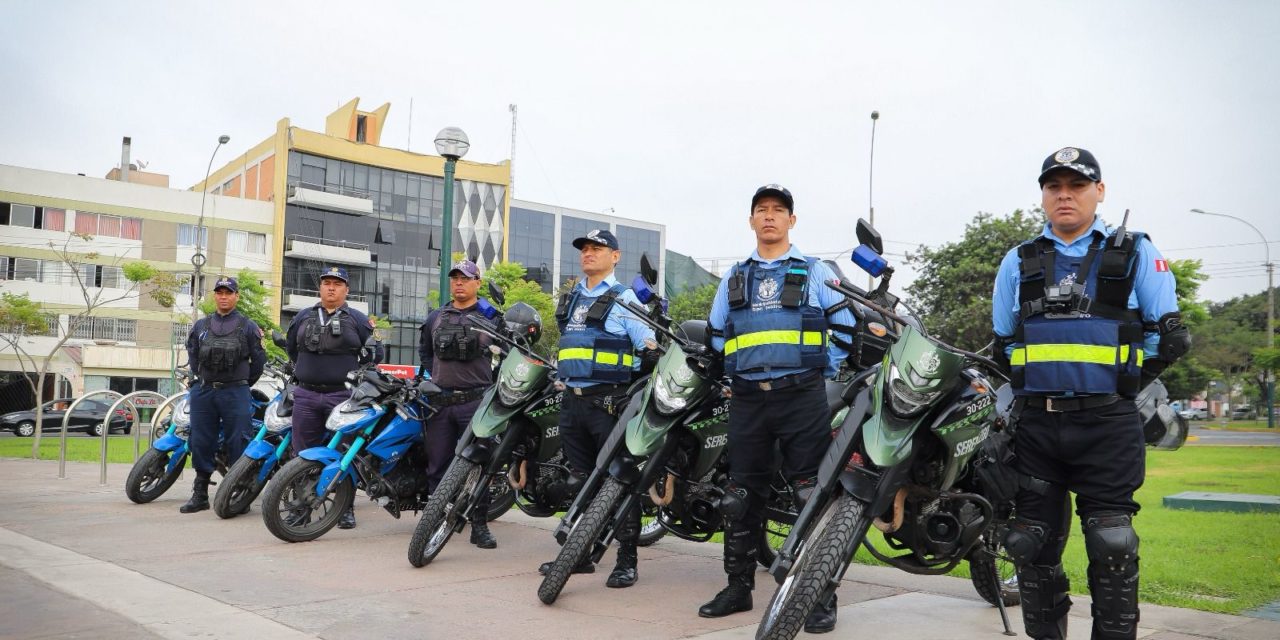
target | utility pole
x=511, y=181
x=871, y=174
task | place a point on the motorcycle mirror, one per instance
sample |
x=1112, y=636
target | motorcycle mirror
x=278, y=339
x=495, y=294
x=648, y=271
x=868, y=235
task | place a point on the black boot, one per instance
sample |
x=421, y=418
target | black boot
x=731, y=599
x=1045, y=601
x=624, y=571
x=823, y=617
x=480, y=535
x=740, y=565
x=199, y=496
x=348, y=519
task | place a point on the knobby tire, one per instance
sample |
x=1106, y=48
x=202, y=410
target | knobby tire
x=238, y=488
x=440, y=516
x=581, y=539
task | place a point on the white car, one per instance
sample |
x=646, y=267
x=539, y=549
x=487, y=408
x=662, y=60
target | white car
x=1194, y=414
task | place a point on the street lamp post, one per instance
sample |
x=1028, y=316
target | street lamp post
x=198, y=259
x=871, y=173
x=1271, y=312
x=452, y=144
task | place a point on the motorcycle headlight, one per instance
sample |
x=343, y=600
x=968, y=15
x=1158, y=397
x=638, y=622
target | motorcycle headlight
x=275, y=422
x=905, y=400
x=181, y=414
x=344, y=415
x=510, y=395
x=669, y=397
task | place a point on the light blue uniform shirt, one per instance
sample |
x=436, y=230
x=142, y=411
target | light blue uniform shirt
x=820, y=296
x=1153, y=286
x=619, y=322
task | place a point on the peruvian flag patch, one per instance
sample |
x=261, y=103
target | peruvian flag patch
x=1162, y=265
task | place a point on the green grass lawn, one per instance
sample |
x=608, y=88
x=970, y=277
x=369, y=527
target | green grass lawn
x=1224, y=562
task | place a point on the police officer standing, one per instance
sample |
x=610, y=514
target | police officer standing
x=456, y=357
x=324, y=343
x=600, y=350
x=770, y=319
x=225, y=352
x=1086, y=316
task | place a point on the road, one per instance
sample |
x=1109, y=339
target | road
x=1198, y=435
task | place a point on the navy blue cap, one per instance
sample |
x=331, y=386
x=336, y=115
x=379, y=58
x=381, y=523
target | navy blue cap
x=598, y=236
x=1075, y=159
x=467, y=268
x=335, y=272
x=227, y=282
x=776, y=191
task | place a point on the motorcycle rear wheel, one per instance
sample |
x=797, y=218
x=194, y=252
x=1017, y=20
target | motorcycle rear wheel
x=149, y=479
x=238, y=489
x=444, y=507
x=581, y=539
x=823, y=557
x=501, y=497
x=286, y=504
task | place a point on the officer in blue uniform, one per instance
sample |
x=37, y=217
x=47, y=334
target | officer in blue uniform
x=1085, y=316
x=325, y=342
x=601, y=345
x=224, y=351
x=770, y=319
x=456, y=357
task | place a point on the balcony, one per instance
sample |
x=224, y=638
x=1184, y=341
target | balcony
x=340, y=199
x=327, y=251
x=296, y=300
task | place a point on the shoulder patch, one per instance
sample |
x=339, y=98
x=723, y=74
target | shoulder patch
x=1162, y=265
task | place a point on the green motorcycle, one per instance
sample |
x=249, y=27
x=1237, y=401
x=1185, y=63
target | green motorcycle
x=901, y=463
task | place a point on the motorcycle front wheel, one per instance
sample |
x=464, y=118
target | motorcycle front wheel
x=581, y=539
x=444, y=508
x=287, y=503
x=837, y=535
x=238, y=489
x=992, y=571
x=151, y=477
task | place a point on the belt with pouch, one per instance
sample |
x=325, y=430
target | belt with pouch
x=224, y=385
x=1065, y=405
x=322, y=388
x=597, y=389
x=451, y=398
x=775, y=384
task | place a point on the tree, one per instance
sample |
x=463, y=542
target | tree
x=140, y=276
x=510, y=277
x=20, y=320
x=1189, y=375
x=692, y=304
x=253, y=305
x=954, y=282
x=1228, y=341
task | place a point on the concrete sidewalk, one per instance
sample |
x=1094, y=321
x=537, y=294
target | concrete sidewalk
x=78, y=560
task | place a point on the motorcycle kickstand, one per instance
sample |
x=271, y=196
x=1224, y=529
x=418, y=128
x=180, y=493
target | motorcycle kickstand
x=1004, y=615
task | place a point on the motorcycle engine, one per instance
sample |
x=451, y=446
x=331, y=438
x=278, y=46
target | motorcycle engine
x=936, y=528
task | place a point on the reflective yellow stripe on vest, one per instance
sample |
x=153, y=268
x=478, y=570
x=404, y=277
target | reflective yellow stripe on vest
x=1086, y=353
x=811, y=338
x=603, y=357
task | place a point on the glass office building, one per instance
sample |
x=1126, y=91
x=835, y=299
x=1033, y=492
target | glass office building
x=541, y=238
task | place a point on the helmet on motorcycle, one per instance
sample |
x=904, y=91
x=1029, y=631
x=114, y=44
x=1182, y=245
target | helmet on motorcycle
x=524, y=322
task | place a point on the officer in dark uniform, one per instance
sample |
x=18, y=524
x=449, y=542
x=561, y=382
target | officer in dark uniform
x=601, y=347
x=456, y=357
x=224, y=351
x=770, y=319
x=324, y=343
x=1085, y=316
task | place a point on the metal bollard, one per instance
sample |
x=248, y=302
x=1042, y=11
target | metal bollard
x=66, y=421
x=137, y=424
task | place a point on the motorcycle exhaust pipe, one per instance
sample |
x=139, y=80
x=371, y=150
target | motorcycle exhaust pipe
x=517, y=483
x=898, y=502
x=669, y=490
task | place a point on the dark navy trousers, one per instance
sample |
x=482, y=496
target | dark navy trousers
x=224, y=413
x=311, y=410
x=443, y=431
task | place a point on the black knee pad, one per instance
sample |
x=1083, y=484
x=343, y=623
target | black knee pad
x=1024, y=539
x=734, y=503
x=1109, y=539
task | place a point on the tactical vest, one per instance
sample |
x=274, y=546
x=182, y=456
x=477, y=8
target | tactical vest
x=455, y=341
x=338, y=336
x=587, y=351
x=1078, y=333
x=221, y=353
x=771, y=324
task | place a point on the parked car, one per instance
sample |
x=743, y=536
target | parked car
x=1244, y=413
x=87, y=418
x=1194, y=414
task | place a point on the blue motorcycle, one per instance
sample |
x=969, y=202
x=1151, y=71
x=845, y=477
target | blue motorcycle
x=158, y=468
x=264, y=455
x=377, y=446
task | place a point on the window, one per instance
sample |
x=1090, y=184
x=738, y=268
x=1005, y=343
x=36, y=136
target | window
x=120, y=329
x=101, y=224
x=22, y=215
x=103, y=276
x=87, y=222
x=21, y=269
x=187, y=236
x=54, y=219
x=246, y=242
x=109, y=226
x=180, y=332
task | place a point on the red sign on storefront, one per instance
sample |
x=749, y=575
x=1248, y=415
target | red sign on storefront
x=402, y=371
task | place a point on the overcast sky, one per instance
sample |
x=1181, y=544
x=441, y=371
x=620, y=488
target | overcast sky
x=674, y=112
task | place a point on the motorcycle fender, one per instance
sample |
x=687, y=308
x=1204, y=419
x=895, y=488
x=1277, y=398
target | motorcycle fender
x=321, y=454
x=169, y=442
x=478, y=451
x=332, y=469
x=259, y=449
x=176, y=460
x=267, y=467
x=625, y=469
x=859, y=483
x=892, y=479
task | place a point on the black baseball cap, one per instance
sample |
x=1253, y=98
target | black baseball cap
x=1073, y=158
x=227, y=282
x=335, y=272
x=777, y=191
x=599, y=236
